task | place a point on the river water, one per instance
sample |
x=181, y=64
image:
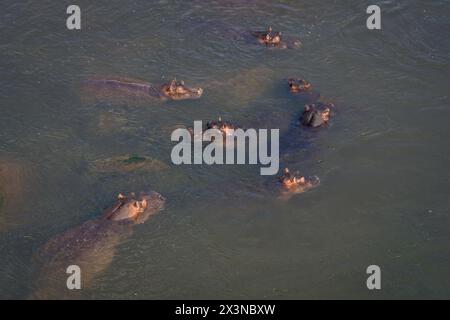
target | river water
x=383, y=162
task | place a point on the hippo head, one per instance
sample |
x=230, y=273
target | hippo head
x=269, y=38
x=299, y=85
x=227, y=128
x=296, y=183
x=137, y=209
x=176, y=90
x=316, y=115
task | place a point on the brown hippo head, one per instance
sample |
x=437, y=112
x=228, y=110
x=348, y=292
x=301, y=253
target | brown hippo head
x=176, y=90
x=299, y=85
x=227, y=128
x=136, y=209
x=270, y=38
x=316, y=115
x=274, y=39
x=296, y=183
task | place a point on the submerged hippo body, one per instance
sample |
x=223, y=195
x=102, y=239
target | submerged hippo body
x=91, y=246
x=15, y=177
x=298, y=139
x=172, y=90
x=128, y=163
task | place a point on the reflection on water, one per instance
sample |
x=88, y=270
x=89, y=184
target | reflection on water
x=382, y=161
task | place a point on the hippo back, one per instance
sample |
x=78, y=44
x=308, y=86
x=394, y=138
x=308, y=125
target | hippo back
x=91, y=246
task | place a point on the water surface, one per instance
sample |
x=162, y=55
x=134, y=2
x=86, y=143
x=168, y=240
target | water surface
x=383, y=162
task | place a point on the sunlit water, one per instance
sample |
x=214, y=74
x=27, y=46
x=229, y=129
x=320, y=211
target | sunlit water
x=383, y=162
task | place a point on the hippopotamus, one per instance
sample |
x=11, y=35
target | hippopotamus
x=316, y=115
x=298, y=138
x=91, y=246
x=299, y=85
x=172, y=90
x=225, y=127
x=271, y=38
x=303, y=89
x=291, y=184
x=267, y=37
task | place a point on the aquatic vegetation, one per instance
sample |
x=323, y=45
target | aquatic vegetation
x=134, y=159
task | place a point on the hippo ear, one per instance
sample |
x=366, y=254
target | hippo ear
x=307, y=107
x=136, y=204
x=172, y=86
x=182, y=82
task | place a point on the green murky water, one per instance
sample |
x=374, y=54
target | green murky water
x=383, y=163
